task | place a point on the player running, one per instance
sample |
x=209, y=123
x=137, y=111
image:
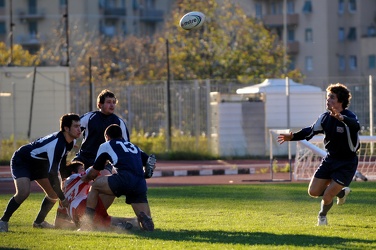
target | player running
x=341, y=129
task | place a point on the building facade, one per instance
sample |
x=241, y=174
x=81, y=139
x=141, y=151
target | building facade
x=326, y=40
x=29, y=22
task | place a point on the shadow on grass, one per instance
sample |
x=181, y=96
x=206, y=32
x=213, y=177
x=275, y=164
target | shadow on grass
x=258, y=238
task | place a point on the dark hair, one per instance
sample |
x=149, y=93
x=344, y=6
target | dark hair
x=105, y=94
x=67, y=119
x=65, y=172
x=342, y=92
x=113, y=131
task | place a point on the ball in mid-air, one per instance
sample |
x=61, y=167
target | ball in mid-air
x=192, y=20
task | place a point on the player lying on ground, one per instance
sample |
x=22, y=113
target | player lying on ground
x=76, y=192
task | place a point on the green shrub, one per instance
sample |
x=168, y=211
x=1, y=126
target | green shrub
x=8, y=147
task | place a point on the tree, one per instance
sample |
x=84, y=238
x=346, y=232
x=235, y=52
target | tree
x=20, y=57
x=230, y=45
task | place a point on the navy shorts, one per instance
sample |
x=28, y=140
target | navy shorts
x=33, y=170
x=133, y=187
x=341, y=171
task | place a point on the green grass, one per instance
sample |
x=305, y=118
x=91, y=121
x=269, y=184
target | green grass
x=254, y=216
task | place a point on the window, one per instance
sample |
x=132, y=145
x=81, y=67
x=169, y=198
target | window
x=33, y=28
x=372, y=61
x=341, y=6
x=274, y=8
x=341, y=63
x=353, y=62
x=124, y=28
x=280, y=7
x=3, y=29
x=135, y=4
x=290, y=35
x=341, y=34
x=308, y=35
x=309, y=63
x=32, y=6
x=258, y=10
x=292, y=64
x=371, y=31
x=352, y=6
x=352, y=34
x=2, y=3
x=290, y=7
x=307, y=8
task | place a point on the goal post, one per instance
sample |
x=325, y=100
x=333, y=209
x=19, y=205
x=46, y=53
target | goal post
x=310, y=153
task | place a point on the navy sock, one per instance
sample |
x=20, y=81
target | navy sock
x=325, y=208
x=46, y=207
x=11, y=208
x=341, y=194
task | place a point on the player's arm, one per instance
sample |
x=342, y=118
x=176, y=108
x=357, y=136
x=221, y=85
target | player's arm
x=55, y=153
x=55, y=183
x=99, y=165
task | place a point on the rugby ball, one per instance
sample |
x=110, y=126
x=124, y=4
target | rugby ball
x=192, y=20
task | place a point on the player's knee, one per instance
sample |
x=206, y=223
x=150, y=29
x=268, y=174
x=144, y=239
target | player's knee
x=313, y=193
x=53, y=198
x=327, y=199
x=21, y=196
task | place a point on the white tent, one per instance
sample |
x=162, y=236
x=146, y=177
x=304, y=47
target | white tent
x=278, y=86
x=291, y=105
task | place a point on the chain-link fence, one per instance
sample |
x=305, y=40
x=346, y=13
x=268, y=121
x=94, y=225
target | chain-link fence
x=144, y=106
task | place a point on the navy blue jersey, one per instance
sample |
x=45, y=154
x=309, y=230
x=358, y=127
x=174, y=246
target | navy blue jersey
x=93, y=125
x=128, y=161
x=50, y=151
x=126, y=157
x=341, y=138
x=52, y=148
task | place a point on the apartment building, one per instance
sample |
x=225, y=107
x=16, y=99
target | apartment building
x=33, y=20
x=326, y=40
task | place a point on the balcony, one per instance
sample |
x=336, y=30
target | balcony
x=113, y=13
x=151, y=15
x=30, y=41
x=292, y=47
x=31, y=14
x=277, y=20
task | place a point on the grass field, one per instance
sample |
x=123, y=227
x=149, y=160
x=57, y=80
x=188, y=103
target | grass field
x=255, y=216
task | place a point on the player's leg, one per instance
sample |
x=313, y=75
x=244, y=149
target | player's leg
x=22, y=186
x=47, y=203
x=142, y=210
x=99, y=186
x=107, y=199
x=317, y=186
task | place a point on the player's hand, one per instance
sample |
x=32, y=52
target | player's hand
x=284, y=137
x=85, y=178
x=336, y=114
x=65, y=202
